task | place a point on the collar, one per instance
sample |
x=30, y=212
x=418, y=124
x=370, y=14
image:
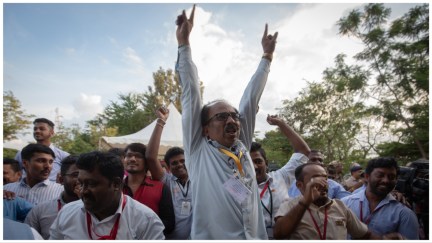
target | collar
x=388, y=198
x=118, y=211
x=268, y=178
x=217, y=145
x=315, y=207
x=23, y=182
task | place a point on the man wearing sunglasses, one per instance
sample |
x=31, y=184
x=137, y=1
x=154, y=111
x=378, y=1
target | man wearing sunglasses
x=225, y=200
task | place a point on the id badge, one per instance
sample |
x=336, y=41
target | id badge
x=185, y=208
x=237, y=189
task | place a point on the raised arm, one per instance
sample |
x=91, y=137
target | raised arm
x=252, y=94
x=153, y=145
x=188, y=76
x=297, y=142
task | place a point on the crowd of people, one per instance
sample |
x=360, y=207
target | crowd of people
x=217, y=187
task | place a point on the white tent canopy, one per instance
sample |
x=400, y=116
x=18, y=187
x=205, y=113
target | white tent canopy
x=172, y=134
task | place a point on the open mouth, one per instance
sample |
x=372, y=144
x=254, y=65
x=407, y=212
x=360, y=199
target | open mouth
x=231, y=129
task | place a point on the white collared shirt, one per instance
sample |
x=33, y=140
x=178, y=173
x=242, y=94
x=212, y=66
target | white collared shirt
x=279, y=182
x=41, y=192
x=137, y=222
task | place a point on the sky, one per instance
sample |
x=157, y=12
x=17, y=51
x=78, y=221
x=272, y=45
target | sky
x=74, y=58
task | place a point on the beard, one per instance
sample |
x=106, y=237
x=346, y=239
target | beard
x=379, y=190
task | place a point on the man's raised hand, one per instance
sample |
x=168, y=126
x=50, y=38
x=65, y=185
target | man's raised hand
x=268, y=42
x=184, y=27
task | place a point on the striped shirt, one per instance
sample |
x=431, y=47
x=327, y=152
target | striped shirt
x=41, y=192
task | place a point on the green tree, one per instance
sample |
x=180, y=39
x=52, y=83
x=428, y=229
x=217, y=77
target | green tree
x=14, y=117
x=135, y=111
x=327, y=114
x=398, y=55
x=277, y=147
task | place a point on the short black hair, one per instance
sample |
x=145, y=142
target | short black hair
x=381, y=162
x=44, y=120
x=257, y=147
x=28, y=151
x=299, y=175
x=15, y=166
x=205, y=110
x=117, y=151
x=174, y=151
x=108, y=164
x=136, y=147
x=66, y=163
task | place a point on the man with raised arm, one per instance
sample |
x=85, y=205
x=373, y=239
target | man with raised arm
x=178, y=180
x=225, y=200
x=273, y=186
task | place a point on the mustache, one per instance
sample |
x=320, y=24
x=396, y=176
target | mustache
x=231, y=126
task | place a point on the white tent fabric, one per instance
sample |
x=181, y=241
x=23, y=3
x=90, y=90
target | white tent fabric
x=172, y=134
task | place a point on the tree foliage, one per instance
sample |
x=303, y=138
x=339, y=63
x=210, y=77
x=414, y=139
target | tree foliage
x=398, y=55
x=379, y=105
x=14, y=118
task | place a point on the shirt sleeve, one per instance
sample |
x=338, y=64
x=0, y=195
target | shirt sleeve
x=287, y=171
x=190, y=99
x=166, y=210
x=33, y=220
x=408, y=226
x=355, y=227
x=250, y=99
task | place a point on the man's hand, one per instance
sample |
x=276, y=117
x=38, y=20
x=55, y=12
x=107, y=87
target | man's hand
x=312, y=191
x=8, y=195
x=268, y=42
x=184, y=27
x=162, y=113
x=274, y=120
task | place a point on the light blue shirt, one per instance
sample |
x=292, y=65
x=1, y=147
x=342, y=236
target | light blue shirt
x=16, y=209
x=335, y=190
x=216, y=213
x=59, y=156
x=389, y=216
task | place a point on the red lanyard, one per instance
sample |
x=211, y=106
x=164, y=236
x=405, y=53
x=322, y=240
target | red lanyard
x=113, y=233
x=324, y=235
x=369, y=218
x=264, y=189
x=59, y=205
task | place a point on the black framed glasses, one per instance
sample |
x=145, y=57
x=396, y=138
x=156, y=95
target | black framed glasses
x=223, y=116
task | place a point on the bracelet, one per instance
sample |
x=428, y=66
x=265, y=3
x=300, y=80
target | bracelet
x=161, y=120
x=302, y=204
x=158, y=124
x=268, y=56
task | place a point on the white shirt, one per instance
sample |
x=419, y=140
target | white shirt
x=41, y=192
x=137, y=222
x=277, y=191
x=43, y=215
x=216, y=212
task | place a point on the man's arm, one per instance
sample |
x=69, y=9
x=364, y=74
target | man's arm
x=188, y=76
x=285, y=225
x=252, y=94
x=153, y=145
x=297, y=142
x=166, y=210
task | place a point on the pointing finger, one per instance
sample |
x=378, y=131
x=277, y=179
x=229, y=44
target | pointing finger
x=191, y=18
x=265, y=31
x=275, y=36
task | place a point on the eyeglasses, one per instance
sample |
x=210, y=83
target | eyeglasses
x=223, y=116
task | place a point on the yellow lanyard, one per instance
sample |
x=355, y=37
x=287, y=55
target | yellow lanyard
x=235, y=158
